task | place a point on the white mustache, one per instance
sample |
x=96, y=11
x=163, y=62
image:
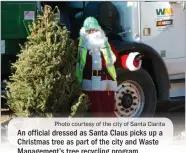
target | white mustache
x=94, y=35
x=95, y=40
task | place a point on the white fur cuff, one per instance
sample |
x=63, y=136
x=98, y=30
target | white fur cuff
x=130, y=60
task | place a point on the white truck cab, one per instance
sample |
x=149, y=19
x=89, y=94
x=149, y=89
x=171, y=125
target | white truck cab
x=161, y=25
x=159, y=28
x=168, y=38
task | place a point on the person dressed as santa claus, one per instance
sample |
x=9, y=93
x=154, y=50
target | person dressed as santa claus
x=96, y=67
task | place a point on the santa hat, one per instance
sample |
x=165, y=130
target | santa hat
x=91, y=23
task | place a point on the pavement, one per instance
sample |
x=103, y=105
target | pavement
x=175, y=111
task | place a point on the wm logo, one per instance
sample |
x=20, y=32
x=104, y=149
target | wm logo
x=164, y=11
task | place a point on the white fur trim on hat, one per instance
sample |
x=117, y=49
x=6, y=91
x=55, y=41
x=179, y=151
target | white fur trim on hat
x=130, y=60
x=82, y=32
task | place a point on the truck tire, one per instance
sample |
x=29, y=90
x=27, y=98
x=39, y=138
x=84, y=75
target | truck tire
x=135, y=95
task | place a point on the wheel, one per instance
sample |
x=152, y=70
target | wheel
x=135, y=95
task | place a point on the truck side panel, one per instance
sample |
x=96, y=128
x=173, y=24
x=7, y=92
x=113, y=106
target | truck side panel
x=167, y=24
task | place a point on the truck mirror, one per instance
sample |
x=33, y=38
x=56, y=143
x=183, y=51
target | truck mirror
x=181, y=3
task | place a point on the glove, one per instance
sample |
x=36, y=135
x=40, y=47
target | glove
x=132, y=61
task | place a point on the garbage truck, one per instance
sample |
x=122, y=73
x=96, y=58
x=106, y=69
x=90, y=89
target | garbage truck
x=157, y=30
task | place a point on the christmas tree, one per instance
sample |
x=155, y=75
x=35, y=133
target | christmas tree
x=43, y=82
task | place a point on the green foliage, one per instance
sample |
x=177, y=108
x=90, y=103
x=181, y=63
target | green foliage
x=43, y=82
x=80, y=108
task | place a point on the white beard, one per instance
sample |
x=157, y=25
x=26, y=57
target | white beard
x=94, y=40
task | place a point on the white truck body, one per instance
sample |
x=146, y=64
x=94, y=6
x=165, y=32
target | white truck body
x=169, y=41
